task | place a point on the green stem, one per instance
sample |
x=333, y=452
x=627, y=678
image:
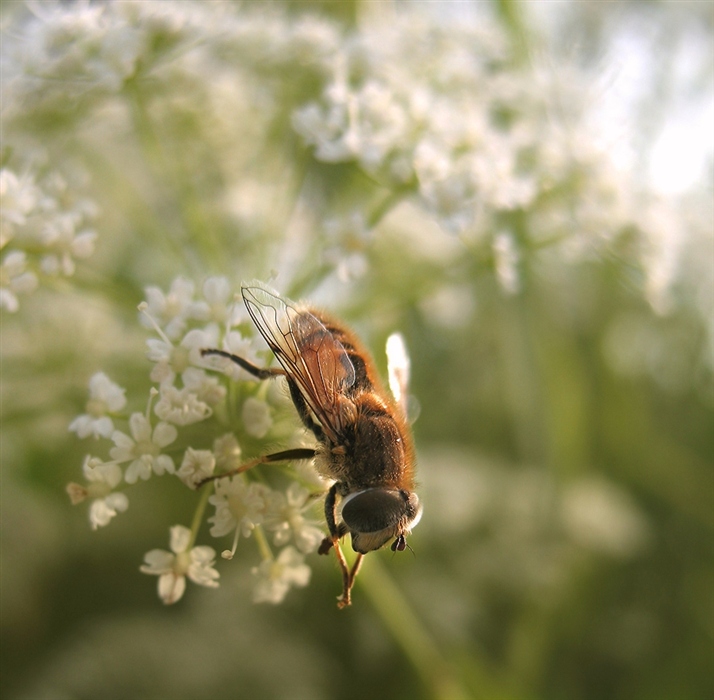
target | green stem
x=262, y=541
x=386, y=205
x=511, y=16
x=410, y=634
x=198, y=514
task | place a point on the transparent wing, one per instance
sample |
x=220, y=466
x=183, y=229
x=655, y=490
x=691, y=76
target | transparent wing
x=398, y=368
x=307, y=351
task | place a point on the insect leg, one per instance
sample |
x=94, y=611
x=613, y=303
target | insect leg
x=259, y=372
x=337, y=531
x=284, y=456
x=303, y=411
x=330, y=512
x=355, y=568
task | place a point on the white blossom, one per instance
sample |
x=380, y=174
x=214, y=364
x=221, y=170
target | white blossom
x=256, y=417
x=285, y=517
x=240, y=506
x=275, y=577
x=218, y=294
x=48, y=225
x=102, y=478
x=171, y=310
x=104, y=397
x=180, y=406
x=18, y=198
x=196, y=466
x=177, y=359
x=144, y=448
x=206, y=388
x=365, y=124
x=236, y=344
x=64, y=243
x=15, y=279
x=227, y=452
x=182, y=561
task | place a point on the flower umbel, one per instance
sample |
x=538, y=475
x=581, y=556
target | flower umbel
x=45, y=226
x=187, y=393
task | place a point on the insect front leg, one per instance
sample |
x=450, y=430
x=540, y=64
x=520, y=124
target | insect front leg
x=337, y=531
x=259, y=372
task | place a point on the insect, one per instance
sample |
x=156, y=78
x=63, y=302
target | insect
x=363, y=440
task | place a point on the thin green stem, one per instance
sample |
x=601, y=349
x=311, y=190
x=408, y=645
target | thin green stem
x=408, y=631
x=262, y=541
x=386, y=205
x=198, y=513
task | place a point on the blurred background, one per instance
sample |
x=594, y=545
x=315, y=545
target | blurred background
x=522, y=189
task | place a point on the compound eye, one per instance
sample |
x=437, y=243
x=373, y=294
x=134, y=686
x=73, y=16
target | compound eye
x=374, y=510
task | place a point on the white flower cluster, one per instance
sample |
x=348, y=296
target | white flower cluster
x=427, y=103
x=156, y=443
x=87, y=51
x=44, y=228
x=458, y=123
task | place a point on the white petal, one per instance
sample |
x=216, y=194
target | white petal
x=102, y=427
x=180, y=538
x=171, y=588
x=297, y=495
x=164, y=463
x=117, y=501
x=308, y=538
x=100, y=386
x=182, y=288
x=83, y=244
x=256, y=417
x=203, y=555
x=123, y=443
x=157, y=561
x=109, y=474
x=25, y=283
x=269, y=591
x=100, y=513
x=158, y=350
x=201, y=570
x=216, y=290
x=164, y=434
x=140, y=427
x=8, y=301
x=82, y=425
x=139, y=468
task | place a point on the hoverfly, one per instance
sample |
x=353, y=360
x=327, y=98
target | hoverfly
x=363, y=440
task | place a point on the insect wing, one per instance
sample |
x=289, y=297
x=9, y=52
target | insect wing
x=309, y=353
x=398, y=368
